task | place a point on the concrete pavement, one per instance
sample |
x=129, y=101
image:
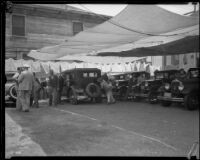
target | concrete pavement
x=123, y=129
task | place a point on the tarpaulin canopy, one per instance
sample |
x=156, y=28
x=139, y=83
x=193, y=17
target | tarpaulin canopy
x=186, y=45
x=95, y=59
x=135, y=22
x=179, y=34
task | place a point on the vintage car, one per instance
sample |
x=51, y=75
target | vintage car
x=182, y=90
x=149, y=88
x=120, y=85
x=10, y=91
x=81, y=84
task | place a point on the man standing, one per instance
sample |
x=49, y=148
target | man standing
x=35, y=91
x=15, y=77
x=52, y=88
x=60, y=87
x=25, y=81
x=107, y=86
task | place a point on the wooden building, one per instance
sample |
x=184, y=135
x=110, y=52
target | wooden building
x=33, y=26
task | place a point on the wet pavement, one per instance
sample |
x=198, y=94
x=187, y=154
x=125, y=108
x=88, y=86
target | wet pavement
x=121, y=129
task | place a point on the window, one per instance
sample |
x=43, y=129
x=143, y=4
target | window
x=194, y=73
x=77, y=27
x=18, y=25
x=159, y=75
x=91, y=74
x=85, y=75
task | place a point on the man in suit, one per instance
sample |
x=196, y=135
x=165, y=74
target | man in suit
x=25, y=81
x=60, y=87
x=15, y=77
x=35, y=92
x=52, y=88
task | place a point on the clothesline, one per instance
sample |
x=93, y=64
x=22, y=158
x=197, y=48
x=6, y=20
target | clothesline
x=57, y=67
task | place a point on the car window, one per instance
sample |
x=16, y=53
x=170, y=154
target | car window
x=90, y=74
x=85, y=75
x=194, y=73
x=121, y=77
x=9, y=76
x=159, y=75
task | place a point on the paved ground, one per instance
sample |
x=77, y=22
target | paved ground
x=122, y=129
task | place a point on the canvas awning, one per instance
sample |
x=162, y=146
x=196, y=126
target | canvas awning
x=186, y=45
x=104, y=60
x=151, y=41
x=134, y=23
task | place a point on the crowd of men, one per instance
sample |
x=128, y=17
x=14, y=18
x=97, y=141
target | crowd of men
x=28, y=87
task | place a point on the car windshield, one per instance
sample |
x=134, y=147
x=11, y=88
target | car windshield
x=159, y=75
x=194, y=73
x=89, y=74
x=9, y=76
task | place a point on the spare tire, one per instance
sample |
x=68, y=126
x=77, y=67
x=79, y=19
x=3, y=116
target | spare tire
x=93, y=90
x=13, y=92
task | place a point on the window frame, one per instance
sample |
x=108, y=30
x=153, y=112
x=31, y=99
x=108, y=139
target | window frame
x=22, y=15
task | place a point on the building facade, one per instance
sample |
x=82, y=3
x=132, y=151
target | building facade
x=33, y=26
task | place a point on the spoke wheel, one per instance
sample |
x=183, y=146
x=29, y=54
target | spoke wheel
x=191, y=102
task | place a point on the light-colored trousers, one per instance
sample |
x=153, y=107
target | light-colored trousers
x=18, y=103
x=110, y=98
x=52, y=96
x=24, y=96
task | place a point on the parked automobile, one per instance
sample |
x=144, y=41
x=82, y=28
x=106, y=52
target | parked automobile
x=120, y=86
x=10, y=90
x=122, y=83
x=81, y=84
x=149, y=88
x=184, y=91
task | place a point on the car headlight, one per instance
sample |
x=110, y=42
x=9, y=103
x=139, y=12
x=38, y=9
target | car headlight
x=117, y=84
x=167, y=86
x=181, y=87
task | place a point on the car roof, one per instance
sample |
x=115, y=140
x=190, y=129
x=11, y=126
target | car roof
x=171, y=70
x=197, y=68
x=81, y=69
x=140, y=72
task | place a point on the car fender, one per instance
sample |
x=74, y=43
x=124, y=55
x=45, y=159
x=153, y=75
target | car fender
x=189, y=91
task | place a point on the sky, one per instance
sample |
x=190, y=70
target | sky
x=114, y=9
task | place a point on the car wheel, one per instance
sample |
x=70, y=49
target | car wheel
x=166, y=103
x=136, y=98
x=98, y=100
x=122, y=93
x=191, y=102
x=13, y=93
x=152, y=98
x=72, y=98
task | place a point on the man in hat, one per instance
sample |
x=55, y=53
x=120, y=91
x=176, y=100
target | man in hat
x=60, y=87
x=52, y=88
x=15, y=77
x=25, y=81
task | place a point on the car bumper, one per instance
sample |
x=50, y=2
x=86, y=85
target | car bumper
x=140, y=95
x=172, y=99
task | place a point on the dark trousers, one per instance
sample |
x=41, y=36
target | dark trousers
x=59, y=96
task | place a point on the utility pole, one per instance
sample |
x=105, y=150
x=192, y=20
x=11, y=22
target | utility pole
x=195, y=5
